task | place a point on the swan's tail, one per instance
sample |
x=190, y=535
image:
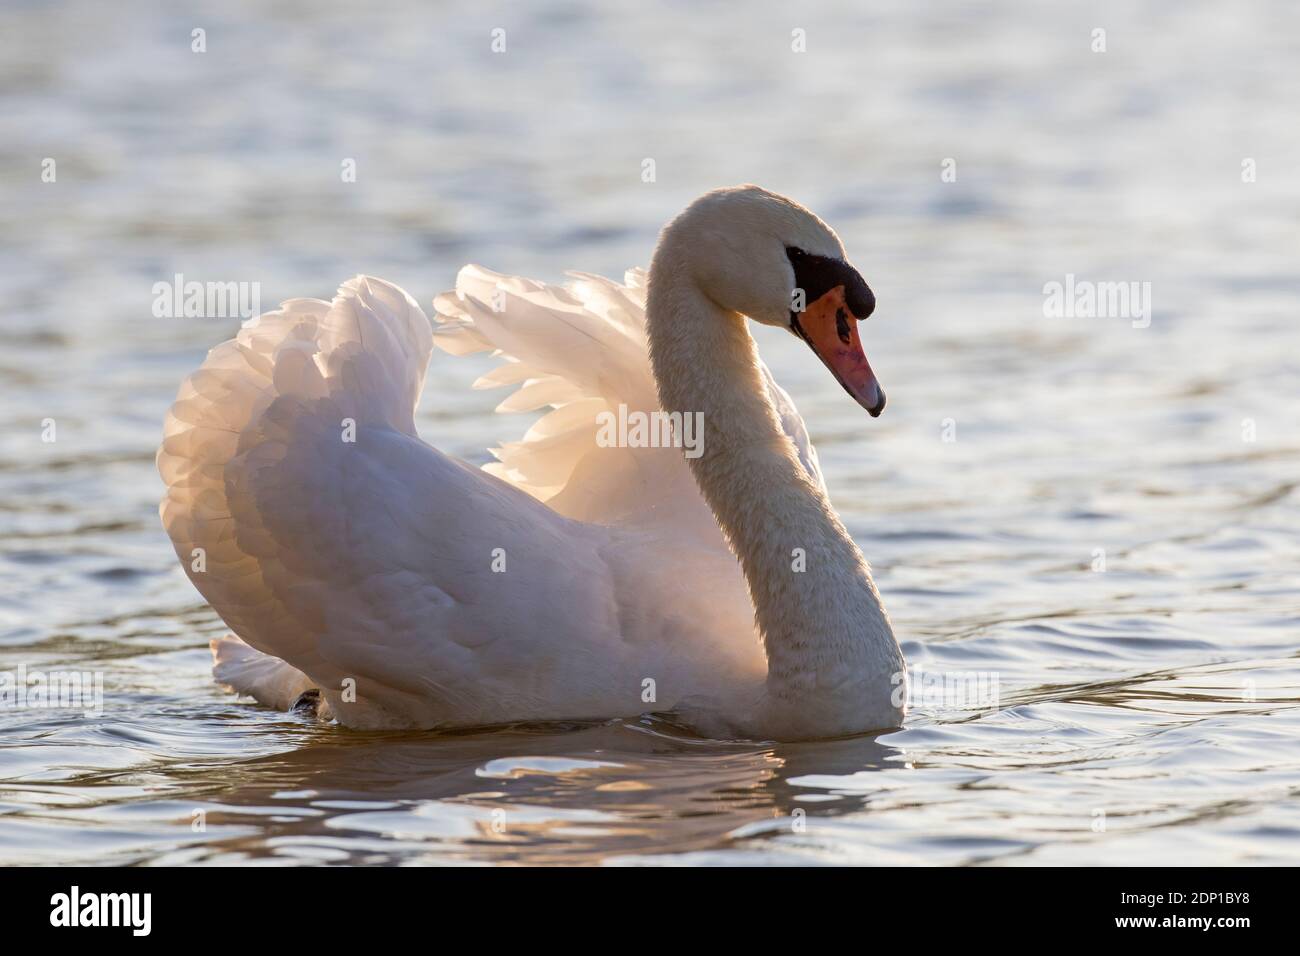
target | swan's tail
x=309, y=366
x=248, y=671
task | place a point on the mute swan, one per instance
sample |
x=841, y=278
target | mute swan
x=570, y=579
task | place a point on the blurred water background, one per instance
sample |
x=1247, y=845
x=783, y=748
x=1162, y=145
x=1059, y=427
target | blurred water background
x=1147, y=713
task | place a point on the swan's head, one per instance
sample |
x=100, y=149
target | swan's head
x=765, y=256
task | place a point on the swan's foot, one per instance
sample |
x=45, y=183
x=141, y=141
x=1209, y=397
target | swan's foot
x=308, y=703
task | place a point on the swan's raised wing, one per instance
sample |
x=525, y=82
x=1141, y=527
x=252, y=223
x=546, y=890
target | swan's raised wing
x=306, y=510
x=581, y=352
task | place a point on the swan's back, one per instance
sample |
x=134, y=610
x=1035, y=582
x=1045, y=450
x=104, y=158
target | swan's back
x=413, y=589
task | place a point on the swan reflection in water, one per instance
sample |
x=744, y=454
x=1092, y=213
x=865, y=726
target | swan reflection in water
x=576, y=794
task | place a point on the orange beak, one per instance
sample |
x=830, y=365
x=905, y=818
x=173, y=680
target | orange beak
x=832, y=330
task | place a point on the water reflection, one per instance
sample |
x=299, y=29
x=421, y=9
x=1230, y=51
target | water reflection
x=520, y=795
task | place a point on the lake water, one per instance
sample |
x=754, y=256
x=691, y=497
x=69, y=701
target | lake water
x=1098, y=512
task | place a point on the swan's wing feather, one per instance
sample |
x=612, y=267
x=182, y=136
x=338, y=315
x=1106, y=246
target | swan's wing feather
x=581, y=351
x=429, y=583
x=325, y=533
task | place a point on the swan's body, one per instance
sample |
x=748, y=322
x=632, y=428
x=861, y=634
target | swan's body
x=574, y=581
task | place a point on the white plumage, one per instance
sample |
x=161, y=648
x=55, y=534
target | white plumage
x=565, y=581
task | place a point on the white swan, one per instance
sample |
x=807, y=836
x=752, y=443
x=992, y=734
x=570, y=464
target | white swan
x=570, y=580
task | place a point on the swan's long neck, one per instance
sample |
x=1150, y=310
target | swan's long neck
x=823, y=626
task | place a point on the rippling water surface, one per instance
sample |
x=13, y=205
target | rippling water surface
x=1146, y=713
